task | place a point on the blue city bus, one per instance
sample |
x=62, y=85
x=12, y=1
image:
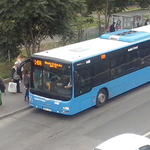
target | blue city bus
x=72, y=78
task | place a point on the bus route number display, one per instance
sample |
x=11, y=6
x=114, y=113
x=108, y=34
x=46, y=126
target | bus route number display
x=53, y=65
x=37, y=62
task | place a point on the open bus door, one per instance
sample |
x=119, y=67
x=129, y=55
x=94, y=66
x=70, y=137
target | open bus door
x=21, y=65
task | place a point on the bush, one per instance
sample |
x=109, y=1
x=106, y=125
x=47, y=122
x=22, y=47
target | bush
x=5, y=70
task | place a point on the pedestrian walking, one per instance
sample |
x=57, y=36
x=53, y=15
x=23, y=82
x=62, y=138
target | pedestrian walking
x=15, y=77
x=26, y=80
x=112, y=27
x=2, y=89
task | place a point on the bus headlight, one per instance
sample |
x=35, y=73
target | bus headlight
x=66, y=108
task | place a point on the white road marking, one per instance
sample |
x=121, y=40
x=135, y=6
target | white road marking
x=147, y=134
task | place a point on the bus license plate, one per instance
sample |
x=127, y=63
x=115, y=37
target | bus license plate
x=47, y=109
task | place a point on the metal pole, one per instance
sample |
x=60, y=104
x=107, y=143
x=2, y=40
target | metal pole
x=106, y=11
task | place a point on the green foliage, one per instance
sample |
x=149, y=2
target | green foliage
x=80, y=25
x=31, y=21
x=8, y=46
x=114, y=6
x=5, y=70
x=143, y=3
x=107, y=7
x=95, y=5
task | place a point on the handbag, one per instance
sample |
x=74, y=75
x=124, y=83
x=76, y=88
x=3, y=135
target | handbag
x=12, y=87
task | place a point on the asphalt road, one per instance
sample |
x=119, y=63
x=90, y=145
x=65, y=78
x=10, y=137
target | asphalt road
x=41, y=130
x=13, y=103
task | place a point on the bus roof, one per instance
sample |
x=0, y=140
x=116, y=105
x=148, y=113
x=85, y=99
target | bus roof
x=104, y=44
x=143, y=28
x=131, y=36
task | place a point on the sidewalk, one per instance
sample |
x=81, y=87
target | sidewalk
x=12, y=103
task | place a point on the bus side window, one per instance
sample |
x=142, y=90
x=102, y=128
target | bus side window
x=132, y=61
x=79, y=79
x=101, y=72
x=113, y=73
x=117, y=67
x=83, y=80
x=145, y=57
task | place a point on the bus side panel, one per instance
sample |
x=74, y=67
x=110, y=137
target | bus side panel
x=85, y=103
x=137, y=78
x=128, y=82
x=82, y=102
x=116, y=89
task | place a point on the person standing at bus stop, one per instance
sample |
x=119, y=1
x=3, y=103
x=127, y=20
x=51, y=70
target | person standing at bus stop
x=2, y=89
x=26, y=79
x=112, y=27
x=147, y=22
x=15, y=77
x=20, y=59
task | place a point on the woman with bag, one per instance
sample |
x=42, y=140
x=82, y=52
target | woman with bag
x=15, y=77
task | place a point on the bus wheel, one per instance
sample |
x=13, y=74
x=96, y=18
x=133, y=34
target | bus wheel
x=101, y=98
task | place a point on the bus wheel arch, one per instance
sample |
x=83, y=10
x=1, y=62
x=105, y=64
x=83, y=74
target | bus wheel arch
x=102, y=97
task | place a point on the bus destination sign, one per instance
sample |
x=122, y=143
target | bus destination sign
x=53, y=65
x=41, y=63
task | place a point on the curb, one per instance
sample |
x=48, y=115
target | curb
x=15, y=112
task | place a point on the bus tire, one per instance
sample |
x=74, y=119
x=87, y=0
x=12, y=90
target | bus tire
x=101, y=98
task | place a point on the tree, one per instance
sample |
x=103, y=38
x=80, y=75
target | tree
x=99, y=7
x=103, y=6
x=143, y=3
x=115, y=6
x=8, y=46
x=32, y=21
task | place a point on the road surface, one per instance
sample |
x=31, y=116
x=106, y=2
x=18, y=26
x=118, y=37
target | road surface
x=38, y=129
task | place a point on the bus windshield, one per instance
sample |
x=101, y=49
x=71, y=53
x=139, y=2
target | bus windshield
x=51, y=84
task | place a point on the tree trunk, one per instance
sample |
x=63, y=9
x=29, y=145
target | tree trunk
x=99, y=23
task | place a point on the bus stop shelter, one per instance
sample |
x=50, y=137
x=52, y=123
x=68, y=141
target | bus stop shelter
x=130, y=19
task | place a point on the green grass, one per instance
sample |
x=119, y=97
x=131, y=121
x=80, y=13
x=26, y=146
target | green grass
x=94, y=24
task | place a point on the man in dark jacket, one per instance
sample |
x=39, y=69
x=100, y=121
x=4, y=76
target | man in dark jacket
x=112, y=27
